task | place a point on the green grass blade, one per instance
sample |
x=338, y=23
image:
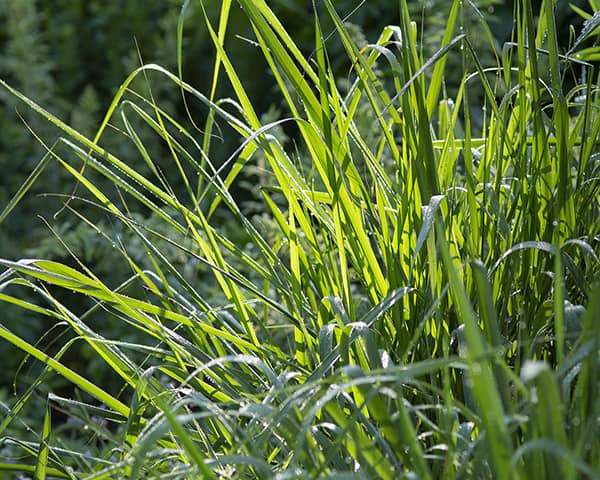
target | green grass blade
x=41, y=465
x=66, y=372
x=482, y=378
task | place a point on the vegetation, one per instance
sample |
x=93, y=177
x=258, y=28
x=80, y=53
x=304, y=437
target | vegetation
x=413, y=293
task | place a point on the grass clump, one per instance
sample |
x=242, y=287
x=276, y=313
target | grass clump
x=419, y=305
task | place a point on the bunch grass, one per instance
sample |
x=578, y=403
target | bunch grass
x=424, y=306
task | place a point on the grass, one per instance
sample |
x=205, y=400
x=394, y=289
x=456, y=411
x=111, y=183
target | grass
x=419, y=298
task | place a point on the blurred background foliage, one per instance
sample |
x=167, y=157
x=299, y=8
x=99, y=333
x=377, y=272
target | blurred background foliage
x=71, y=56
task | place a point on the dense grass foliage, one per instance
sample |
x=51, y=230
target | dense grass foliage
x=417, y=296
x=71, y=57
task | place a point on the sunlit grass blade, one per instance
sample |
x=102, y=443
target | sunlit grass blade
x=66, y=372
x=480, y=372
x=41, y=465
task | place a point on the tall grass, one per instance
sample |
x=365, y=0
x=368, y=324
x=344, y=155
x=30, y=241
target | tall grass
x=420, y=299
